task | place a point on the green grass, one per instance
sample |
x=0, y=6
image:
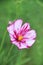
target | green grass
x=30, y=11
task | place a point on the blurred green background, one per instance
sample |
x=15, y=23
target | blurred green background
x=30, y=11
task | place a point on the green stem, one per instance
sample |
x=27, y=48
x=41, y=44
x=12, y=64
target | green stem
x=12, y=57
x=25, y=61
x=10, y=51
x=6, y=58
x=19, y=58
x=3, y=40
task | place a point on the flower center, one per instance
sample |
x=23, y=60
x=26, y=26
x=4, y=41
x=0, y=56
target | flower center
x=20, y=38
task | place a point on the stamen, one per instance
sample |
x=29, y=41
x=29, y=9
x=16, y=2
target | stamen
x=20, y=38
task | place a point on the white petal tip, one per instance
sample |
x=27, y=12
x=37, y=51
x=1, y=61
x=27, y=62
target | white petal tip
x=10, y=22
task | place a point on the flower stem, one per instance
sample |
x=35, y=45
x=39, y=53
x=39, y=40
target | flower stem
x=6, y=58
x=9, y=51
x=3, y=40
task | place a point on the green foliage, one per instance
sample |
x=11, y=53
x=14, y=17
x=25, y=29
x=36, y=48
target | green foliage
x=30, y=11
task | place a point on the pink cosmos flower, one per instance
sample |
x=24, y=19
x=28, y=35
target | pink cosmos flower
x=21, y=35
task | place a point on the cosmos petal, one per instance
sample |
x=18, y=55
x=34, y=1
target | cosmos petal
x=22, y=46
x=10, y=27
x=30, y=34
x=25, y=28
x=17, y=25
x=12, y=37
x=15, y=43
x=30, y=42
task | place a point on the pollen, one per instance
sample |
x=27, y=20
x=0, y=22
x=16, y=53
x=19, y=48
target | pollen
x=20, y=38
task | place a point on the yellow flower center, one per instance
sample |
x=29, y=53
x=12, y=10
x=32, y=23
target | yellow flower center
x=20, y=38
